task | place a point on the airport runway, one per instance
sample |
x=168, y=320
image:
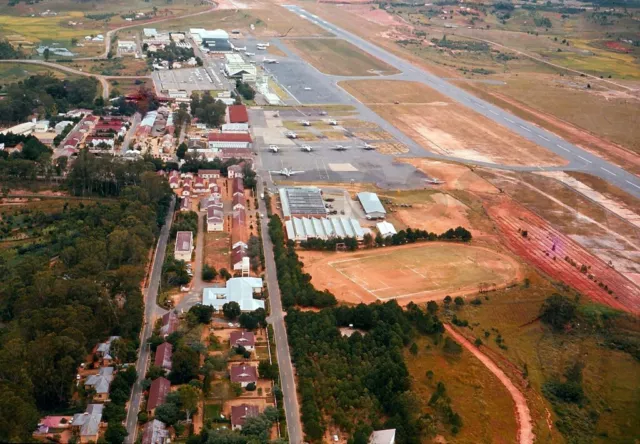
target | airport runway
x=579, y=159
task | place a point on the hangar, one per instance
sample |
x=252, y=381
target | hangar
x=302, y=229
x=371, y=205
x=214, y=41
x=302, y=201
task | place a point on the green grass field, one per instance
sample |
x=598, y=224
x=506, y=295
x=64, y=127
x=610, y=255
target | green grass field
x=611, y=378
x=484, y=404
x=14, y=72
x=338, y=57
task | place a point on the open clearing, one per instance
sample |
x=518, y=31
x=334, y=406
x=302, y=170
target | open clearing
x=443, y=126
x=409, y=273
x=339, y=57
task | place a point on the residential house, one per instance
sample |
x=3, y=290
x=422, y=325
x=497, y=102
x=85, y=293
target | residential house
x=237, y=186
x=209, y=174
x=244, y=339
x=100, y=383
x=103, y=351
x=239, y=413
x=184, y=246
x=186, y=190
x=238, y=289
x=169, y=323
x=235, y=171
x=158, y=392
x=86, y=426
x=243, y=374
x=185, y=204
x=214, y=190
x=199, y=185
x=239, y=202
x=215, y=219
x=163, y=355
x=155, y=432
x=383, y=437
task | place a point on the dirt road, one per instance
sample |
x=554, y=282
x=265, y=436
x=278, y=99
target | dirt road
x=523, y=415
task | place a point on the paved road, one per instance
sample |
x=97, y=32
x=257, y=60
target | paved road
x=276, y=319
x=578, y=158
x=137, y=118
x=151, y=312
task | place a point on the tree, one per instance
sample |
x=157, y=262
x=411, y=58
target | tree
x=458, y=301
x=414, y=349
x=432, y=307
x=231, y=310
x=208, y=273
x=447, y=300
x=189, y=398
x=368, y=240
x=155, y=372
x=46, y=54
x=116, y=433
x=167, y=413
x=557, y=311
x=202, y=313
x=181, y=152
x=184, y=365
x=224, y=273
x=268, y=371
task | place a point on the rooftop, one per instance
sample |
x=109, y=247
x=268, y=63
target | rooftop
x=244, y=338
x=383, y=437
x=238, y=114
x=184, y=241
x=163, y=355
x=243, y=373
x=370, y=202
x=229, y=137
x=302, y=201
x=89, y=421
x=158, y=392
x=241, y=412
x=240, y=290
x=155, y=432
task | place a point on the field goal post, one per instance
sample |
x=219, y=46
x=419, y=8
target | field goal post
x=341, y=246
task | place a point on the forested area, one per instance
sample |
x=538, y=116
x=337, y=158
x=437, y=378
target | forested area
x=34, y=159
x=46, y=96
x=295, y=285
x=207, y=109
x=76, y=285
x=359, y=382
x=7, y=51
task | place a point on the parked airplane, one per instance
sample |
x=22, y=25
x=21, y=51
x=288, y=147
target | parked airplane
x=263, y=44
x=333, y=122
x=286, y=172
x=368, y=147
x=250, y=54
x=341, y=148
x=291, y=135
x=270, y=61
x=434, y=181
x=306, y=148
x=305, y=123
x=240, y=48
x=274, y=148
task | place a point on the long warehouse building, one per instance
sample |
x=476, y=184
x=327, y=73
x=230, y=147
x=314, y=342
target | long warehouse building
x=301, y=229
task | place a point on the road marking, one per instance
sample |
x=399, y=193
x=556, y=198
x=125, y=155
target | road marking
x=509, y=120
x=543, y=138
x=493, y=112
x=631, y=183
x=481, y=106
x=525, y=128
x=560, y=146
x=586, y=160
x=603, y=168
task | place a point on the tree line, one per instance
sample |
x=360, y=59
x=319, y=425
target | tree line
x=74, y=287
x=295, y=285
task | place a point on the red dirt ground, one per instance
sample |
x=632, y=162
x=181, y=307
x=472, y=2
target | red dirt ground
x=537, y=249
x=617, y=46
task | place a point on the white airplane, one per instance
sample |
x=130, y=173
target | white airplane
x=368, y=147
x=434, y=181
x=261, y=47
x=263, y=44
x=286, y=172
x=306, y=148
x=341, y=148
x=305, y=123
x=307, y=88
x=274, y=148
x=291, y=135
x=270, y=61
x=250, y=54
x=333, y=122
x=238, y=48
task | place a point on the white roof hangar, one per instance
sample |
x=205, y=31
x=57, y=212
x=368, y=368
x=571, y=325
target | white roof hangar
x=386, y=229
x=240, y=290
x=302, y=229
x=383, y=437
x=371, y=205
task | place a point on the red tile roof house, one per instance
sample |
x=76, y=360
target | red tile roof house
x=184, y=246
x=237, y=186
x=238, y=114
x=218, y=141
x=158, y=392
x=209, y=174
x=235, y=171
x=243, y=374
x=215, y=219
x=186, y=190
x=214, y=189
x=174, y=181
x=155, y=432
x=199, y=185
x=239, y=202
x=169, y=323
x=185, y=204
x=239, y=413
x=163, y=355
x=245, y=339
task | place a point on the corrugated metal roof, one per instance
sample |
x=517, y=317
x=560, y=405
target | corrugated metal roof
x=337, y=227
x=308, y=227
x=371, y=203
x=348, y=230
x=319, y=228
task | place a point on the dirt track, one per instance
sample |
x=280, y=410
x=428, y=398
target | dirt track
x=523, y=415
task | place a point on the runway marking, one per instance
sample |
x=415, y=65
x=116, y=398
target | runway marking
x=493, y=112
x=509, y=120
x=482, y=106
x=543, y=138
x=586, y=160
x=525, y=128
x=631, y=183
x=603, y=168
x=560, y=146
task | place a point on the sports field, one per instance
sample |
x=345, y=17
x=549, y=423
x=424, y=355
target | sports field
x=409, y=273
